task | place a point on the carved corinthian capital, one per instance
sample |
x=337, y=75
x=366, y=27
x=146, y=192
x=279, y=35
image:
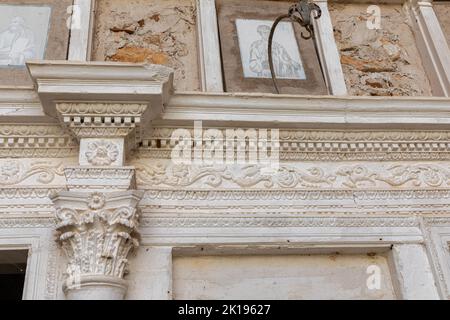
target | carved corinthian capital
x=97, y=231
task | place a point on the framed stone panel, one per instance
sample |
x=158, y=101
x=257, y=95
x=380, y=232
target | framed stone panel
x=244, y=28
x=31, y=30
x=253, y=38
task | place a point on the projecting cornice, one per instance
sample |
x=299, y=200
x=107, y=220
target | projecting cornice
x=248, y=109
x=84, y=82
x=136, y=84
x=21, y=104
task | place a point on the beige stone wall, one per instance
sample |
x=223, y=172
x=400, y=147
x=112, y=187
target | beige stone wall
x=279, y=277
x=443, y=13
x=383, y=62
x=149, y=31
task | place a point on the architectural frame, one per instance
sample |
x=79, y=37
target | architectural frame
x=398, y=245
x=210, y=53
x=162, y=231
x=34, y=235
x=432, y=45
x=80, y=43
x=209, y=46
x=438, y=237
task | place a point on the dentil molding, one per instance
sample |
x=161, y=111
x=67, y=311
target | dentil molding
x=21, y=140
x=326, y=145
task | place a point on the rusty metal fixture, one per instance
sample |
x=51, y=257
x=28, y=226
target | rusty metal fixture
x=301, y=13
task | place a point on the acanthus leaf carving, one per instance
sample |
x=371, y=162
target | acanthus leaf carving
x=180, y=175
x=14, y=171
x=97, y=231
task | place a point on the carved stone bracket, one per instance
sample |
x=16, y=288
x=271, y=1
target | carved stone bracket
x=97, y=231
x=101, y=99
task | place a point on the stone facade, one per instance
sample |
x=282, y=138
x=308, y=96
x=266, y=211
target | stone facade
x=354, y=204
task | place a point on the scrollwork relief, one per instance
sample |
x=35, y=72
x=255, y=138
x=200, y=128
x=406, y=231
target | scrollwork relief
x=15, y=171
x=388, y=176
x=396, y=176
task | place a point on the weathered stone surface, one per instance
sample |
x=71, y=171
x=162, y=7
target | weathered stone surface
x=280, y=277
x=443, y=13
x=157, y=32
x=378, y=62
x=136, y=55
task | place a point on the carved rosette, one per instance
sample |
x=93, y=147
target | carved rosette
x=102, y=153
x=97, y=232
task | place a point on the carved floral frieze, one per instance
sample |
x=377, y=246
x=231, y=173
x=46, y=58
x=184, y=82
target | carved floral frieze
x=307, y=176
x=13, y=172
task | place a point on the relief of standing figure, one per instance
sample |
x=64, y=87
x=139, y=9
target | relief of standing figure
x=284, y=65
x=16, y=43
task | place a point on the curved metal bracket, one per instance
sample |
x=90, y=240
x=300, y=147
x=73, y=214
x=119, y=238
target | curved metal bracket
x=300, y=13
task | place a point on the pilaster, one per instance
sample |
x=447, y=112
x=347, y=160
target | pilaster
x=106, y=108
x=433, y=45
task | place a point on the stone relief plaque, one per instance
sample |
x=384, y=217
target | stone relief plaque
x=23, y=33
x=253, y=44
x=31, y=30
x=244, y=28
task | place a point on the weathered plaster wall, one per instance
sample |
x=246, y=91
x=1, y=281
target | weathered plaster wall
x=383, y=62
x=147, y=31
x=443, y=13
x=279, y=277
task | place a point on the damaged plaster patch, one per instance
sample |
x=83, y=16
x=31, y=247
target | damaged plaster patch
x=383, y=62
x=443, y=13
x=150, y=31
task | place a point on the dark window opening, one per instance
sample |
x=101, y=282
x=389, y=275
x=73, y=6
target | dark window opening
x=13, y=264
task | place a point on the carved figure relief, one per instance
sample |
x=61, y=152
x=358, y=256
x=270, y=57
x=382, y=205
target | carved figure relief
x=253, y=42
x=23, y=33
